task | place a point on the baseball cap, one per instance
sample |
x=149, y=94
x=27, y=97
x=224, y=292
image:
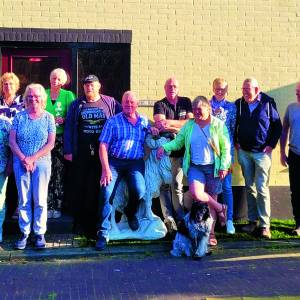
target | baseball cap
x=90, y=78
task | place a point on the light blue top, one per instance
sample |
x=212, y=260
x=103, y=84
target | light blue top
x=32, y=135
x=201, y=151
x=5, y=126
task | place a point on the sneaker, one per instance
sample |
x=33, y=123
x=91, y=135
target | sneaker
x=40, y=242
x=101, y=243
x=249, y=228
x=230, y=227
x=133, y=223
x=171, y=225
x=22, y=242
x=56, y=214
x=265, y=233
x=296, y=231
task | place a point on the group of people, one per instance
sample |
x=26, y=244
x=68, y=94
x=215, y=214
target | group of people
x=103, y=140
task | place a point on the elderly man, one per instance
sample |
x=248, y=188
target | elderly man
x=258, y=129
x=85, y=120
x=121, y=153
x=291, y=127
x=170, y=114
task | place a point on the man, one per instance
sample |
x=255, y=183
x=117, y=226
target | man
x=291, y=127
x=258, y=129
x=121, y=154
x=85, y=120
x=170, y=114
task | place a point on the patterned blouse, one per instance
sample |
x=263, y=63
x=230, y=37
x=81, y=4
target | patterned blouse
x=32, y=135
x=5, y=126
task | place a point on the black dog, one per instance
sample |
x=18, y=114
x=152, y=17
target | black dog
x=193, y=232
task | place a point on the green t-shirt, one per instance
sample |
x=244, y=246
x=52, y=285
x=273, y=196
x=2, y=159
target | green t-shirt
x=60, y=106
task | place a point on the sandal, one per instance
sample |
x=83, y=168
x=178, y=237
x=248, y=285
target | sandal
x=222, y=214
x=212, y=240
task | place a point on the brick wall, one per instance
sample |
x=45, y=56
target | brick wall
x=195, y=40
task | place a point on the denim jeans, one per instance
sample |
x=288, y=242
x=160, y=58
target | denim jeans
x=133, y=172
x=228, y=195
x=3, y=184
x=33, y=190
x=256, y=171
x=294, y=174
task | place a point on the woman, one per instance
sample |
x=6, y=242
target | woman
x=58, y=102
x=206, y=159
x=31, y=139
x=10, y=104
x=225, y=111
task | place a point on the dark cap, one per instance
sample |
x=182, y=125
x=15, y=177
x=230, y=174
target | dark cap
x=90, y=78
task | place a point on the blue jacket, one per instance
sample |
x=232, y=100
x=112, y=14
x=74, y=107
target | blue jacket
x=254, y=131
x=112, y=107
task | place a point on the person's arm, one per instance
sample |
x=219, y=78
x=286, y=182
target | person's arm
x=68, y=133
x=14, y=146
x=225, y=155
x=283, y=139
x=172, y=126
x=106, y=176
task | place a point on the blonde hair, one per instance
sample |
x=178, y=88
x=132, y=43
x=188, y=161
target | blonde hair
x=61, y=73
x=40, y=88
x=219, y=81
x=9, y=76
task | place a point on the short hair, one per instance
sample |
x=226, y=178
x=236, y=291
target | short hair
x=170, y=79
x=9, y=76
x=200, y=99
x=219, y=81
x=252, y=81
x=40, y=88
x=61, y=73
x=130, y=93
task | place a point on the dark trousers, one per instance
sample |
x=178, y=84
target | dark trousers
x=86, y=188
x=294, y=174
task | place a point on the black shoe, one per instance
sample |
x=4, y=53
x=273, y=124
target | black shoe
x=133, y=223
x=40, y=242
x=101, y=243
x=22, y=242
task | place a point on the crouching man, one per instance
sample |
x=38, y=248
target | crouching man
x=121, y=154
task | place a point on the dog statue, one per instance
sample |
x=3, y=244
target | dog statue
x=193, y=232
x=157, y=172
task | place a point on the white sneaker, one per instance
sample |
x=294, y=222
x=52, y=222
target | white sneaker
x=56, y=214
x=230, y=227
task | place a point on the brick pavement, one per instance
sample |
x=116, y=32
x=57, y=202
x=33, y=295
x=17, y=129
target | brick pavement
x=227, y=273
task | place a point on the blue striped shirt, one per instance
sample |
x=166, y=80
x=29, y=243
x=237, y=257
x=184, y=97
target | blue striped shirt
x=125, y=141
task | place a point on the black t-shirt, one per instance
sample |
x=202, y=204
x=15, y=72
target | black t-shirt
x=174, y=112
x=92, y=118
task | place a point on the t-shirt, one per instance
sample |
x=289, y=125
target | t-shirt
x=174, y=112
x=292, y=118
x=92, y=118
x=32, y=135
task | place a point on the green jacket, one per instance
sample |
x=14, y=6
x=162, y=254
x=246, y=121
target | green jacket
x=60, y=107
x=220, y=137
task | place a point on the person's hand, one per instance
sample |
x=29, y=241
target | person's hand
x=223, y=173
x=106, y=177
x=154, y=131
x=29, y=163
x=283, y=159
x=68, y=157
x=268, y=150
x=59, y=120
x=160, y=152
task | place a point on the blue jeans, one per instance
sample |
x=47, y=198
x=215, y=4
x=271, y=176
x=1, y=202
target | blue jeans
x=228, y=195
x=256, y=171
x=133, y=172
x=3, y=184
x=33, y=191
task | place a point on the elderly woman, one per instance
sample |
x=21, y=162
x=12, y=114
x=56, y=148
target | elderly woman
x=58, y=102
x=206, y=159
x=31, y=139
x=10, y=104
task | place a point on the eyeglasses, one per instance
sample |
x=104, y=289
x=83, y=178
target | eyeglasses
x=30, y=97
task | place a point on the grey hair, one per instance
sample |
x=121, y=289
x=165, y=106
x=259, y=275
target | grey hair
x=252, y=81
x=61, y=73
x=40, y=88
x=200, y=99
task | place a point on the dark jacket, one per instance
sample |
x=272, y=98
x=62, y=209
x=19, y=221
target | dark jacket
x=254, y=131
x=111, y=107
